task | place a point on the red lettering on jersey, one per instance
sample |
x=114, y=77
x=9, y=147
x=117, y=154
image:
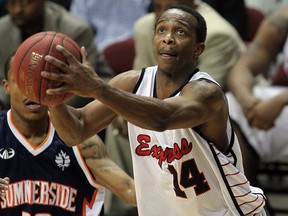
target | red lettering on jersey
x=143, y=139
x=168, y=154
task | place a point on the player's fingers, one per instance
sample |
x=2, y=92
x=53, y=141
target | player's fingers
x=4, y=186
x=56, y=62
x=4, y=181
x=60, y=77
x=56, y=91
x=70, y=58
x=85, y=58
x=7, y=179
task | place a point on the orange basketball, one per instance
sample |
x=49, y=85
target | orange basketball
x=29, y=62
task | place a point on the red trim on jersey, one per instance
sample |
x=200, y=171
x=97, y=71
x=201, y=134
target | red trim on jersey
x=90, y=205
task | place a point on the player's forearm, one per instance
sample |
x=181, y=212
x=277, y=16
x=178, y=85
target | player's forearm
x=282, y=98
x=129, y=195
x=240, y=83
x=143, y=111
x=124, y=188
x=67, y=124
x=111, y=176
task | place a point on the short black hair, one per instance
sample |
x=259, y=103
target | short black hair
x=7, y=65
x=201, y=28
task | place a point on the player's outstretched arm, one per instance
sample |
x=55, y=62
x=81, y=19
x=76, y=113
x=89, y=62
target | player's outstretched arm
x=4, y=182
x=106, y=172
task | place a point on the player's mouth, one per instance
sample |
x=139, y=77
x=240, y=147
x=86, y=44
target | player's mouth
x=32, y=105
x=168, y=54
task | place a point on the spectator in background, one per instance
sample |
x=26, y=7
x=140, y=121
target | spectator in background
x=111, y=20
x=234, y=11
x=266, y=6
x=260, y=111
x=26, y=18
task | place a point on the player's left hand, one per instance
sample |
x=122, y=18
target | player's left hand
x=4, y=182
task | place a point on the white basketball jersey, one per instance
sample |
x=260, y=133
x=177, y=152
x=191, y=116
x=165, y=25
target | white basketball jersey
x=179, y=173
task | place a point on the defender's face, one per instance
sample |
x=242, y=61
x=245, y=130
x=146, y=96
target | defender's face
x=175, y=40
x=22, y=107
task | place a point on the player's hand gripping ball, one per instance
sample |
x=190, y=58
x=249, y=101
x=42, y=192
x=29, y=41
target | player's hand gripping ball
x=29, y=62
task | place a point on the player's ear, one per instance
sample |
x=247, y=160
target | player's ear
x=5, y=85
x=199, y=48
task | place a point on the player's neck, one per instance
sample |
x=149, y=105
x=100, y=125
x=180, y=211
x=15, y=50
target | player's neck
x=34, y=131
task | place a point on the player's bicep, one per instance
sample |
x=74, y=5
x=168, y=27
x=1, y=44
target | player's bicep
x=197, y=104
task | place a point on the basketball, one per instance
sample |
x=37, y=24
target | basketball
x=29, y=62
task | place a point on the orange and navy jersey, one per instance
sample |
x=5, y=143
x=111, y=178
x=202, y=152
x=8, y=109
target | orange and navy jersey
x=51, y=179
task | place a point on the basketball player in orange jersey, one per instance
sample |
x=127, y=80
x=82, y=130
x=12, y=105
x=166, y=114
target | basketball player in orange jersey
x=41, y=175
x=186, y=157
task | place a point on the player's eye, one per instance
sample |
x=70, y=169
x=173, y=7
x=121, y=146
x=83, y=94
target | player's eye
x=161, y=30
x=180, y=32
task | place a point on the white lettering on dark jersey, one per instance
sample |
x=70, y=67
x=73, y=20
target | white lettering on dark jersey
x=41, y=193
x=6, y=153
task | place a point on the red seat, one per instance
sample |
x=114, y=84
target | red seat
x=255, y=17
x=120, y=55
x=280, y=77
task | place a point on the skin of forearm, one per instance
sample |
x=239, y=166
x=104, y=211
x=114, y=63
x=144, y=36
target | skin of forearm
x=282, y=98
x=240, y=84
x=140, y=108
x=70, y=126
x=106, y=171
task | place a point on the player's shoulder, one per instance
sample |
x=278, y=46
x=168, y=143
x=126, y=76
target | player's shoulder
x=126, y=80
x=205, y=86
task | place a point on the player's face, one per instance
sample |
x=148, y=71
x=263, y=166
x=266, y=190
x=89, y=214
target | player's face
x=22, y=108
x=175, y=44
x=159, y=6
x=25, y=13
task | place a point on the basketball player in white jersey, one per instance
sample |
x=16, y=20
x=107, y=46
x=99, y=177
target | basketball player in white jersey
x=43, y=176
x=186, y=157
